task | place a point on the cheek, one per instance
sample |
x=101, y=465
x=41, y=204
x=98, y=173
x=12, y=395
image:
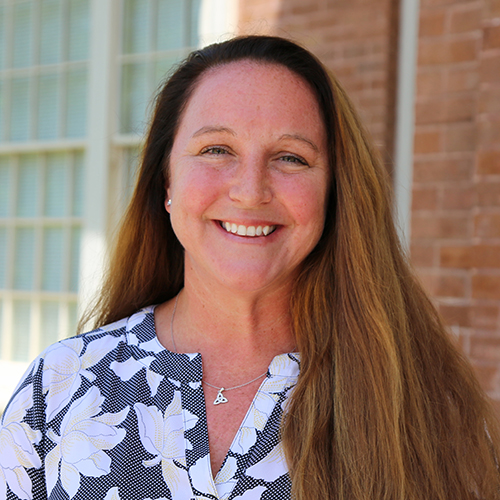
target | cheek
x=307, y=200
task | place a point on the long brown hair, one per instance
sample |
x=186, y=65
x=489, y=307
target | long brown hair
x=385, y=407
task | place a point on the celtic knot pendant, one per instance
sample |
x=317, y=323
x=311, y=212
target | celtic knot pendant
x=220, y=397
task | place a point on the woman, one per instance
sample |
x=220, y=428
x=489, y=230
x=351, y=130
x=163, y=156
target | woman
x=261, y=225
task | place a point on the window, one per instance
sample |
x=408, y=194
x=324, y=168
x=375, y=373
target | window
x=73, y=109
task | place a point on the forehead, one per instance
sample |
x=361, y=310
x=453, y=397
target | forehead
x=253, y=89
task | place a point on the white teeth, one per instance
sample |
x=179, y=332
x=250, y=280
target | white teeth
x=242, y=230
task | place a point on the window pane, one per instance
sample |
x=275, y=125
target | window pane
x=2, y=37
x=20, y=110
x=50, y=324
x=50, y=36
x=3, y=258
x=24, y=266
x=136, y=26
x=21, y=330
x=162, y=68
x=75, y=259
x=56, y=181
x=5, y=187
x=72, y=319
x=171, y=27
x=22, y=34
x=1, y=330
x=134, y=97
x=53, y=259
x=78, y=180
x=2, y=109
x=27, y=188
x=194, y=36
x=48, y=109
x=79, y=28
x=76, y=103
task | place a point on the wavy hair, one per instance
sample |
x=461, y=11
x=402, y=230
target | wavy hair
x=385, y=407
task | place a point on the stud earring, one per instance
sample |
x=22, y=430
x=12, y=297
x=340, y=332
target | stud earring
x=169, y=203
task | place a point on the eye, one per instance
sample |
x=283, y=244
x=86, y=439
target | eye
x=214, y=150
x=293, y=159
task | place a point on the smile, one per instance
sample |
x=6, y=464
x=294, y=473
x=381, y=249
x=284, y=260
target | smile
x=242, y=230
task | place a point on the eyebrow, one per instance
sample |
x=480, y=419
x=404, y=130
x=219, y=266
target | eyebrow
x=213, y=129
x=209, y=129
x=299, y=137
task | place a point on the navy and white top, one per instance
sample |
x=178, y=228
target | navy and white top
x=111, y=414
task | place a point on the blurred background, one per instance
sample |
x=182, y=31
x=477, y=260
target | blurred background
x=77, y=78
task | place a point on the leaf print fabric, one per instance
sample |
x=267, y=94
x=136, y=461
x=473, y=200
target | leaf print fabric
x=84, y=436
x=17, y=452
x=112, y=415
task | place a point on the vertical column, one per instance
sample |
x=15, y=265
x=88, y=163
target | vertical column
x=101, y=110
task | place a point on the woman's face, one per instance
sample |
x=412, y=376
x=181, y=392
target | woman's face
x=248, y=177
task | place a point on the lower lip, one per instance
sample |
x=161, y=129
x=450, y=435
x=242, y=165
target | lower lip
x=248, y=239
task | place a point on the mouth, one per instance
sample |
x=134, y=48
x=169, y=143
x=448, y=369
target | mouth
x=251, y=231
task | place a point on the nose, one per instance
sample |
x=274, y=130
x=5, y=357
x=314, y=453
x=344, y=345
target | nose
x=250, y=184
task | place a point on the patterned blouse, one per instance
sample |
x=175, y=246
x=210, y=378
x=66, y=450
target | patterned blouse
x=111, y=414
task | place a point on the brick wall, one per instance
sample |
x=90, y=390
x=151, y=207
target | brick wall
x=456, y=192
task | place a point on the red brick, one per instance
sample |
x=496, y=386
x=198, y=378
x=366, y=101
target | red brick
x=431, y=111
x=439, y=226
x=463, y=50
x=461, y=137
x=432, y=23
x=493, y=8
x=489, y=162
x=460, y=79
x=489, y=100
x=488, y=194
x=491, y=38
x=430, y=82
x=490, y=69
x=455, y=315
x=456, y=256
x=486, y=256
x=489, y=133
x=485, y=317
x=488, y=376
x=423, y=255
x=424, y=199
x=432, y=52
x=486, y=286
x=459, y=198
x=428, y=141
x=450, y=286
x=465, y=19
x=487, y=225
x=458, y=169
x=439, y=110
x=485, y=348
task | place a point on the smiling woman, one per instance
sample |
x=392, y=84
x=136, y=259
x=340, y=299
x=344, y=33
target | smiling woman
x=260, y=334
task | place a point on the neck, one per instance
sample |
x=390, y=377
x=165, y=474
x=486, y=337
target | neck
x=228, y=325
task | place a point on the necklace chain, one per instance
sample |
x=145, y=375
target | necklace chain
x=220, y=397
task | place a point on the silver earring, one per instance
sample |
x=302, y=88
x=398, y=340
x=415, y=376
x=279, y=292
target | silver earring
x=169, y=203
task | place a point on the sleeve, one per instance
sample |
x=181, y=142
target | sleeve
x=21, y=440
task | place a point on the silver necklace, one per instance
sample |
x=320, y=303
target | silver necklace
x=220, y=396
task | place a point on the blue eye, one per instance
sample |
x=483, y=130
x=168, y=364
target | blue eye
x=214, y=150
x=293, y=159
